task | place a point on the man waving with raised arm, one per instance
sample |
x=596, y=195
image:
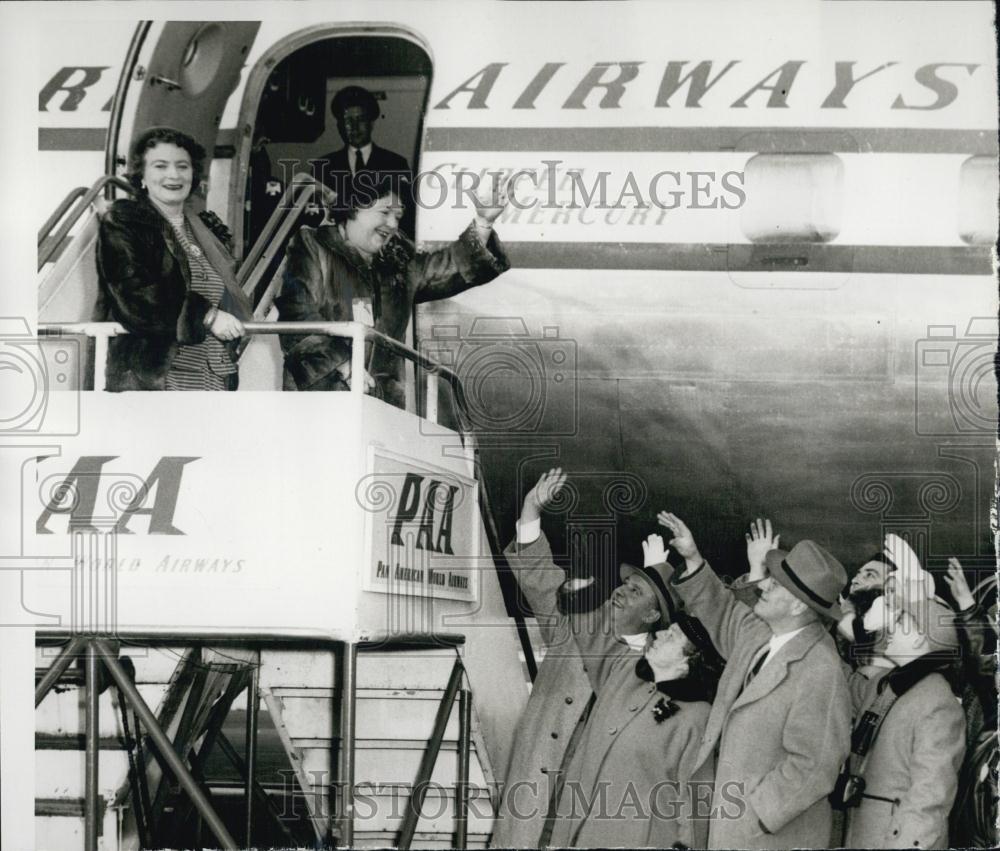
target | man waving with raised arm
x=561, y=695
x=781, y=718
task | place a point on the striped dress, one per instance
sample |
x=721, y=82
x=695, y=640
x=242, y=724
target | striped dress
x=207, y=365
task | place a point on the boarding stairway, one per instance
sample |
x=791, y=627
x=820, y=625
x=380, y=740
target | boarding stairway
x=416, y=728
x=153, y=738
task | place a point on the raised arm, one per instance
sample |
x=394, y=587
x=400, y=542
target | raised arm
x=475, y=258
x=530, y=559
x=760, y=541
x=729, y=622
x=959, y=586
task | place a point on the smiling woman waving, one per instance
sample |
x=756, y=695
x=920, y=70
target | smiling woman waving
x=361, y=268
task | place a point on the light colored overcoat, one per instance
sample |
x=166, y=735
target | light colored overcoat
x=630, y=783
x=914, y=761
x=781, y=740
x=560, y=694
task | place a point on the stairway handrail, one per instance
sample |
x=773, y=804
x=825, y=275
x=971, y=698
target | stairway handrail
x=355, y=331
x=305, y=186
x=47, y=244
x=59, y=212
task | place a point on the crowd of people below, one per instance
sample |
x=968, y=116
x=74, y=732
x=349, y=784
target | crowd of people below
x=790, y=707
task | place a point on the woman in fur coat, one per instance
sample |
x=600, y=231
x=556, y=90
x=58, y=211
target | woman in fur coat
x=165, y=275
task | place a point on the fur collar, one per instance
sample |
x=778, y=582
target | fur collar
x=686, y=689
x=392, y=260
x=905, y=677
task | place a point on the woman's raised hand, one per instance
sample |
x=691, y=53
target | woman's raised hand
x=490, y=210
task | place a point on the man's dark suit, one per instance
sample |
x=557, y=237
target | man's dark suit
x=380, y=162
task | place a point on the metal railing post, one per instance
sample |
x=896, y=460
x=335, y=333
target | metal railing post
x=91, y=780
x=253, y=701
x=100, y=362
x=358, y=361
x=431, y=406
x=464, y=754
x=345, y=780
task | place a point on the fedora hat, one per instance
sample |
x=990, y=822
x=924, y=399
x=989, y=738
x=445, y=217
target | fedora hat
x=656, y=577
x=811, y=574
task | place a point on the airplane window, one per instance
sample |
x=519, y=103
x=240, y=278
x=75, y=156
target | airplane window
x=202, y=59
x=793, y=198
x=977, y=194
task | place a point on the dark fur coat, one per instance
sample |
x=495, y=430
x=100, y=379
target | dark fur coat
x=145, y=284
x=324, y=274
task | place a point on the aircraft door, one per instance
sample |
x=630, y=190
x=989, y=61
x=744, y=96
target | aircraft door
x=182, y=78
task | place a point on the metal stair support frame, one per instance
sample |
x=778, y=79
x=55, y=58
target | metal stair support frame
x=419, y=790
x=165, y=748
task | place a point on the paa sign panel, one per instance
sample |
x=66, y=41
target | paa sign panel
x=423, y=529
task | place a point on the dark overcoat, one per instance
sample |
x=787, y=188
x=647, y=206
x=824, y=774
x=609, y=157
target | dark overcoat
x=324, y=275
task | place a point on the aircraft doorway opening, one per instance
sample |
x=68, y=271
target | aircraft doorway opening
x=294, y=129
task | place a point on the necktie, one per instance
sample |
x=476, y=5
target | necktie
x=755, y=668
x=359, y=161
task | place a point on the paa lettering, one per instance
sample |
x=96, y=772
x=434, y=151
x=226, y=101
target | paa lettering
x=435, y=511
x=84, y=483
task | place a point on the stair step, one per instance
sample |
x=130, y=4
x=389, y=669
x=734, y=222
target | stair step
x=71, y=676
x=62, y=711
x=77, y=742
x=381, y=713
x=66, y=807
x=383, y=808
x=421, y=840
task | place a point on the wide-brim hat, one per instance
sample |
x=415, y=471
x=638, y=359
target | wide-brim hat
x=811, y=574
x=696, y=633
x=656, y=577
x=936, y=620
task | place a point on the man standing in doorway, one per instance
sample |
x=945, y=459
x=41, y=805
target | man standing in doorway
x=356, y=110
